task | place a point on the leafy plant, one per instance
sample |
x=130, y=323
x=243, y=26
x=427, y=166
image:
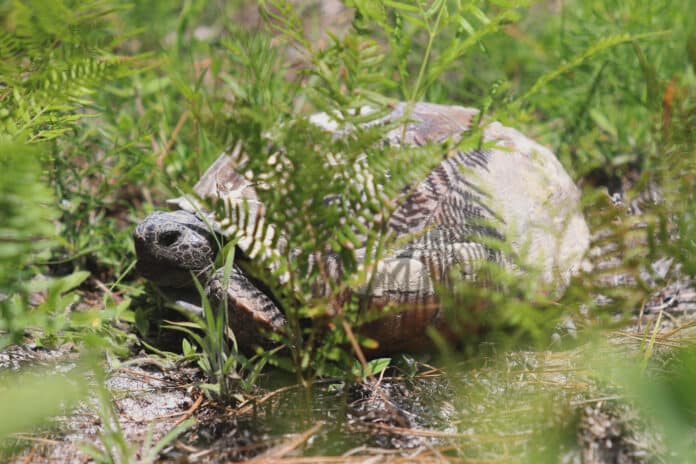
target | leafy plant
x=54, y=56
x=26, y=230
x=301, y=230
x=217, y=359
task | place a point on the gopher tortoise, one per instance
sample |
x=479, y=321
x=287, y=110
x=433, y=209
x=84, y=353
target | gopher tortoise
x=515, y=185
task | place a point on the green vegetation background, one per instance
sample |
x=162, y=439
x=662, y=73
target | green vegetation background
x=108, y=107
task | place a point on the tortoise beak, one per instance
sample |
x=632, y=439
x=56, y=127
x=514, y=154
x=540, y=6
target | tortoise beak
x=172, y=245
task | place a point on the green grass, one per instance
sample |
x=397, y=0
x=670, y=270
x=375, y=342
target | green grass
x=109, y=107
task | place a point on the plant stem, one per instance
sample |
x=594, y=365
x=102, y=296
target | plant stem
x=432, y=32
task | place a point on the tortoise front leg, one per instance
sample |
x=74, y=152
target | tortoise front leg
x=250, y=311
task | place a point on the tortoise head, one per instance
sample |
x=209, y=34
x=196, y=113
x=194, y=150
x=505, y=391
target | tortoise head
x=172, y=245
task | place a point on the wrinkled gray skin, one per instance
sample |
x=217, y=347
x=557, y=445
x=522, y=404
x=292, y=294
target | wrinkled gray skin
x=172, y=245
x=513, y=184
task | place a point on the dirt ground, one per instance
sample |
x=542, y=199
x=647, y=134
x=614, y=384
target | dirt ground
x=414, y=418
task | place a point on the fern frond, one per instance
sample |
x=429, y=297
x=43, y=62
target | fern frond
x=51, y=62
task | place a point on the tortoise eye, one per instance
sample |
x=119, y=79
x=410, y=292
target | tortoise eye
x=168, y=237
